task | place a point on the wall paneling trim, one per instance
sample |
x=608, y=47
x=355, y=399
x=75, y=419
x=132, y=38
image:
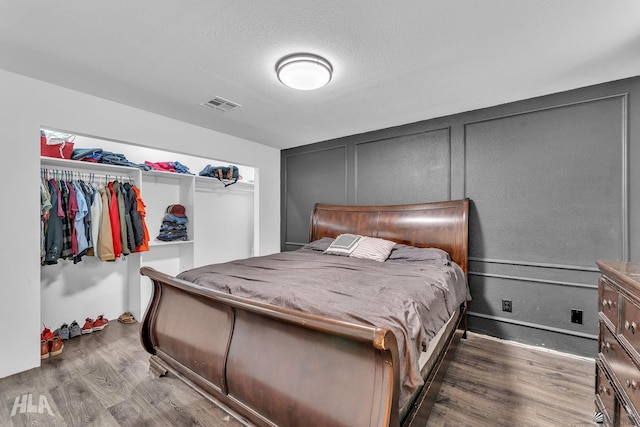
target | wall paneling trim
x=324, y=171
x=382, y=166
x=552, y=187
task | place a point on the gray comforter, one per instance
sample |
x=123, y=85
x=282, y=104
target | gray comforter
x=412, y=299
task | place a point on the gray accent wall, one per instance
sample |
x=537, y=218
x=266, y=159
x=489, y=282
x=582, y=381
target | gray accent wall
x=553, y=188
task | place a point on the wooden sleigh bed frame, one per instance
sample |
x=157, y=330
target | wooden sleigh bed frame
x=209, y=339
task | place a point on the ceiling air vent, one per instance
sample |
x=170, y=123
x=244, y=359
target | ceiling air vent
x=220, y=104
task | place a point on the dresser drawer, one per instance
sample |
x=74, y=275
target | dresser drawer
x=623, y=367
x=626, y=419
x=605, y=395
x=630, y=323
x=608, y=301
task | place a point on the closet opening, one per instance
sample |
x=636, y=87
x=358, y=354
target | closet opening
x=90, y=287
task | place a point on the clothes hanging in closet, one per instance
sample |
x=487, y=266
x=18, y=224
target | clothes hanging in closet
x=83, y=219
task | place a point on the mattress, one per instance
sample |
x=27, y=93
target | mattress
x=428, y=358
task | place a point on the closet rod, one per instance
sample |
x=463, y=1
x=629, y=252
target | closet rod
x=70, y=175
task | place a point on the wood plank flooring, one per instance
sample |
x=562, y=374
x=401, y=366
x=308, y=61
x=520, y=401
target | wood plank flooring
x=493, y=383
x=103, y=379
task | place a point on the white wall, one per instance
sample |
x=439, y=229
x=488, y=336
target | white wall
x=25, y=106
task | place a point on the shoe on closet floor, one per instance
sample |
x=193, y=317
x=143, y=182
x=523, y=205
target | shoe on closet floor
x=126, y=317
x=46, y=334
x=74, y=330
x=62, y=332
x=88, y=326
x=55, y=346
x=44, y=349
x=100, y=323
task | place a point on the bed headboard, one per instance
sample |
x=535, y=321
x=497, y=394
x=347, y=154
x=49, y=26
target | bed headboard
x=442, y=225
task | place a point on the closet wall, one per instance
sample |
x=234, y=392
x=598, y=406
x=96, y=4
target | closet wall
x=25, y=107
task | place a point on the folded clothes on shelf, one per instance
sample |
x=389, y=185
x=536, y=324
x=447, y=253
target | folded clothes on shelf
x=174, y=224
x=169, y=167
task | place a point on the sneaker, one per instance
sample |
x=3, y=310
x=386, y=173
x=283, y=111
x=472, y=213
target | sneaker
x=126, y=317
x=46, y=334
x=100, y=323
x=44, y=349
x=55, y=346
x=62, y=332
x=74, y=330
x=88, y=326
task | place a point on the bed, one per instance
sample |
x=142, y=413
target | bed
x=272, y=360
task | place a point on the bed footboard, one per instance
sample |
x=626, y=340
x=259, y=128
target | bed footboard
x=273, y=366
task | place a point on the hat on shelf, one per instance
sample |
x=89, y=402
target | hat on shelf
x=177, y=210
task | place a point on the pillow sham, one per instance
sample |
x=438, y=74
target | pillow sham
x=402, y=252
x=343, y=245
x=373, y=248
x=320, y=244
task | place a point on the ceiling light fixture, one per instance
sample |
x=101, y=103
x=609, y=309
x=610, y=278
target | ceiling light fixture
x=304, y=71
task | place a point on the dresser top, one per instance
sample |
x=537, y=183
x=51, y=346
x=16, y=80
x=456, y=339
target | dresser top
x=628, y=272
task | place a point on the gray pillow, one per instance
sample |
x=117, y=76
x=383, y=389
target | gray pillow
x=373, y=248
x=344, y=244
x=408, y=253
x=319, y=245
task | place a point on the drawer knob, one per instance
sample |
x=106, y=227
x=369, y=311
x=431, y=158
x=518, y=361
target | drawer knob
x=608, y=303
x=604, y=390
x=631, y=384
x=606, y=346
x=631, y=326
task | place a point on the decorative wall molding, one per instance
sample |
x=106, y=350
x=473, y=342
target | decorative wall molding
x=404, y=135
x=284, y=184
x=295, y=244
x=534, y=264
x=623, y=96
x=534, y=325
x=624, y=178
x=527, y=279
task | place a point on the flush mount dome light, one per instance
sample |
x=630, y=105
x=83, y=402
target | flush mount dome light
x=304, y=71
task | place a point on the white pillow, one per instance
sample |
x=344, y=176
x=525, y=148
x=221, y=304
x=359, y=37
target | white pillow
x=373, y=248
x=343, y=245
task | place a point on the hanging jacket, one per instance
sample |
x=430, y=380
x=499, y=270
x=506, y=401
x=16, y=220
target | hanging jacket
x=80, y=231
x=105, y=237
x=134, y=230
x=66, y=226
x=117, y=186
x=96, y=216
x=141, y=209
x=45, y=208
x=53, y=232
x=114, y=216
x=89, y=195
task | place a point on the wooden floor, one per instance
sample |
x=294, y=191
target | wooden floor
x=491, y=382
x=102, y=379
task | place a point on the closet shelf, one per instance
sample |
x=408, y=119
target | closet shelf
x=202, y=182
x=86, y=167
x=159, y=243
x=167, y=175
x=213, y=184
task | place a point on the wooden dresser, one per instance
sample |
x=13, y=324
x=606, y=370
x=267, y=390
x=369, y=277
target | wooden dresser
x=618, y=361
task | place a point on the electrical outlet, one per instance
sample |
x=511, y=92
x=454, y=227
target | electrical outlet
x=506, y=305
x=576, y=316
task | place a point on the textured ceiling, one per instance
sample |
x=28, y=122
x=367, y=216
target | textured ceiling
x=394, y=62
